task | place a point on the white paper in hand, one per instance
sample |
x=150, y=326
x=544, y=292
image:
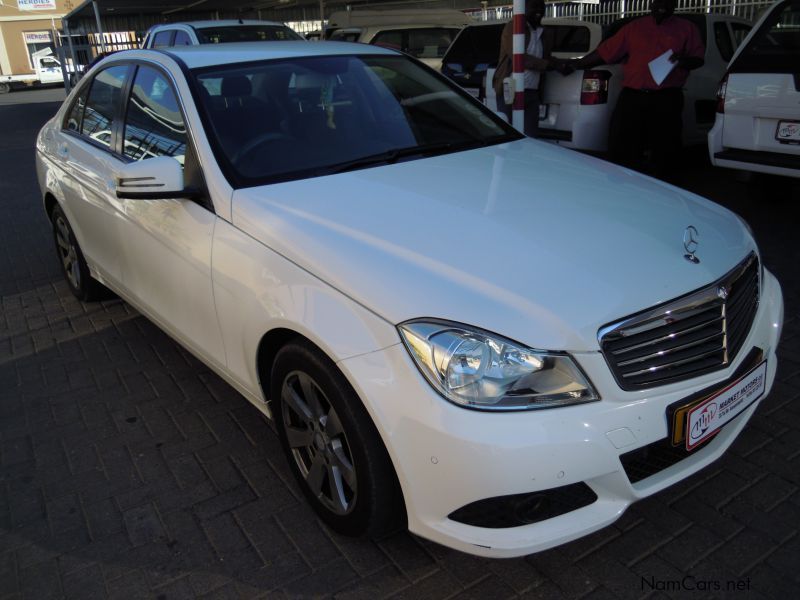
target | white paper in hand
x=661, y=67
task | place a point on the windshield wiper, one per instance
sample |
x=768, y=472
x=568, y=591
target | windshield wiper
x=392, y=156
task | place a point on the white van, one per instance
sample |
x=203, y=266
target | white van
x=425, y=34
x=757, y=126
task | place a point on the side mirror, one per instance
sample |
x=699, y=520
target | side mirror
x=158, y=178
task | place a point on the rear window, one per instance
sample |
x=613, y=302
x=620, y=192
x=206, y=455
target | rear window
x=572, y=38
x=246, y=33
x=776, y=45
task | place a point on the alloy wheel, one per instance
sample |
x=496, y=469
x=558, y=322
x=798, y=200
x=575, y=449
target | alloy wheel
x=68, y=253
x=318, y=443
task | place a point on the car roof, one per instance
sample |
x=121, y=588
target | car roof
x=221, y=23
x=207, y=55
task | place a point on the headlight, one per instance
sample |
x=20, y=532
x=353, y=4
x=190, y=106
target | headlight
x=476, y=369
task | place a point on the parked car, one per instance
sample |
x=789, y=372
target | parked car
x=576, y=110
x=46, y=71
x=757, y=124
x=446, y=323
x=425, y=34
x=217, y=32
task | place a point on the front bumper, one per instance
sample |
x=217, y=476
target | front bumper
x=447, y=457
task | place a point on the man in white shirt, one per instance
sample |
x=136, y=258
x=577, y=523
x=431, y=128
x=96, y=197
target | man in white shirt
x=538, y=47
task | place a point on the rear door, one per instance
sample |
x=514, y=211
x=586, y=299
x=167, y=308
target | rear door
x=166, y=243
x=762, y=101
x=86, y=152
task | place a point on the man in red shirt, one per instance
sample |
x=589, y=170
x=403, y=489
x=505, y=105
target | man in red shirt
x=648, y=114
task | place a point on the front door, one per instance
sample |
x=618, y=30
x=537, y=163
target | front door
x=166, y=243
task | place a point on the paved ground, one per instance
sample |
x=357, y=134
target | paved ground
x=128, y=470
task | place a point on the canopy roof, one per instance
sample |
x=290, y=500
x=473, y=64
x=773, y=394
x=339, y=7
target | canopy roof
x=109, y=8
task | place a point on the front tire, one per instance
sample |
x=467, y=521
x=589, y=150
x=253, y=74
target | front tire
x=332, y=446
x=73, y=265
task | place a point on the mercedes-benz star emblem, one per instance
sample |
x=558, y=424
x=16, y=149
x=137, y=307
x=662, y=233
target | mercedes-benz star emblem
x=691, y=240
x=722, y=292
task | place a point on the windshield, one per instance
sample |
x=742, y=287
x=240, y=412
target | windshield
x=303, y=117
x=245, y=33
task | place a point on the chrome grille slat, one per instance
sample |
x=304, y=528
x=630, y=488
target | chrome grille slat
x=692, y=335
x=648, y=325
x=680, y=348
x=670, y=336
x=676, y=363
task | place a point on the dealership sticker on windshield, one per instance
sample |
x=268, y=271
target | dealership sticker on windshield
x=705, y=419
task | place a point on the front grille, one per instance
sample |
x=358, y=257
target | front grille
x=516, y=510
x=692, y=335
x=651, y=459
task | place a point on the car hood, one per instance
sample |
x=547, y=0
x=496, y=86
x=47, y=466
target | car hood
x=534, y=242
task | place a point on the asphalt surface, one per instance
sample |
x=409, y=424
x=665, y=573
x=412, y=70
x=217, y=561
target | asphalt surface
x=128, y=469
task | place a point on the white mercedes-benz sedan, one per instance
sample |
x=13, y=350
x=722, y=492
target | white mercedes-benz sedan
x=496, y=341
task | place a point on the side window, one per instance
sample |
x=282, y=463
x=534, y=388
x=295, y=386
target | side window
x=182, y=39
x=389, y=39
x=723, y=40
x=162, y=39
x=430, y=42
x=75, y=114
x=153, y=124
x=739, y=32
x=102, y=104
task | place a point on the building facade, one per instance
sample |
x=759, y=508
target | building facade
x=27, y=26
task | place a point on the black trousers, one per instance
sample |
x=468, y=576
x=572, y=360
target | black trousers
x=647, y=122
x=532, y=101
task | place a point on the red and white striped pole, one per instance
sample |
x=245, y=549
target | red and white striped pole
x=518, y=47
